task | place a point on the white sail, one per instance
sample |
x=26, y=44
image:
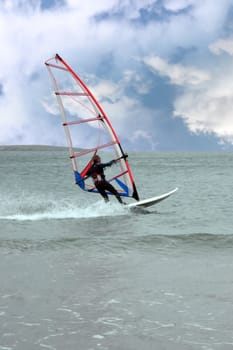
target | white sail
x=82, y=116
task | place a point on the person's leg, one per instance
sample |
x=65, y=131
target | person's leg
x=102, y=192
x=111, y=189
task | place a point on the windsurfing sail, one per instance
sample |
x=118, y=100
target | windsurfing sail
x=88, y=130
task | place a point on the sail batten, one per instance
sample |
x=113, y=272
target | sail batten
x=67, y=93
x=81, y=121
x=55, y=66
x=80, y=154
x=86, y=133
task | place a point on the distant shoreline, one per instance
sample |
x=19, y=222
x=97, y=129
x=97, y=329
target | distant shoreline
x=31, y=148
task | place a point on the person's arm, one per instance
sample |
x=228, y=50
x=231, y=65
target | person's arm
x=104, y=165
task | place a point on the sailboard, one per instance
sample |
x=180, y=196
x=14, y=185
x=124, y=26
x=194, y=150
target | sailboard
x=88, y=131
x=145, y=203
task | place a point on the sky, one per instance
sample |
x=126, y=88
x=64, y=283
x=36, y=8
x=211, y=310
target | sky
x=161, y=69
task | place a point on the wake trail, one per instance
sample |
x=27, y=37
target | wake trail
x=61, y=211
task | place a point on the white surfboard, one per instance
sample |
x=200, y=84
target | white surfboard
x=151, y=201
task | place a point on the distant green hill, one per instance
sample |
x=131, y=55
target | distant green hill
x=30, y=148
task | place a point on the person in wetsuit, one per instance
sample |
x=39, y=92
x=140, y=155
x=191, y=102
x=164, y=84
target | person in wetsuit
x=97, y=173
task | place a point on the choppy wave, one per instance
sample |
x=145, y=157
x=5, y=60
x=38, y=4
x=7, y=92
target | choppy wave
x=195, y=239
x=110, y=244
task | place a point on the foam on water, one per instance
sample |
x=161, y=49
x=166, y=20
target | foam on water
x=33, y=209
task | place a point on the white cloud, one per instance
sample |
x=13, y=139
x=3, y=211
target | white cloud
x=106, y=89
x=29, y=36
x=178, y=74
x=209, y=108
x=206, y=103
x=137, y=81
x=130, y=119
x=178, y=5
x=144, y=137
x=222, y=45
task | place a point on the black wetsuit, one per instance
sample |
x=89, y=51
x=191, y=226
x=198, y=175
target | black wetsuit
x=97, y=173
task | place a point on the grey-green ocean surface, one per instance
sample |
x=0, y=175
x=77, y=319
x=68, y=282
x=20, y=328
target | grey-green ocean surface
x=76, y=273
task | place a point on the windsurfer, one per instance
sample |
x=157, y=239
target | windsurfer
x=97, y=173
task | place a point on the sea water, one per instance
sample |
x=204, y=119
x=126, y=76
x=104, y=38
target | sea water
x=76, y=273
